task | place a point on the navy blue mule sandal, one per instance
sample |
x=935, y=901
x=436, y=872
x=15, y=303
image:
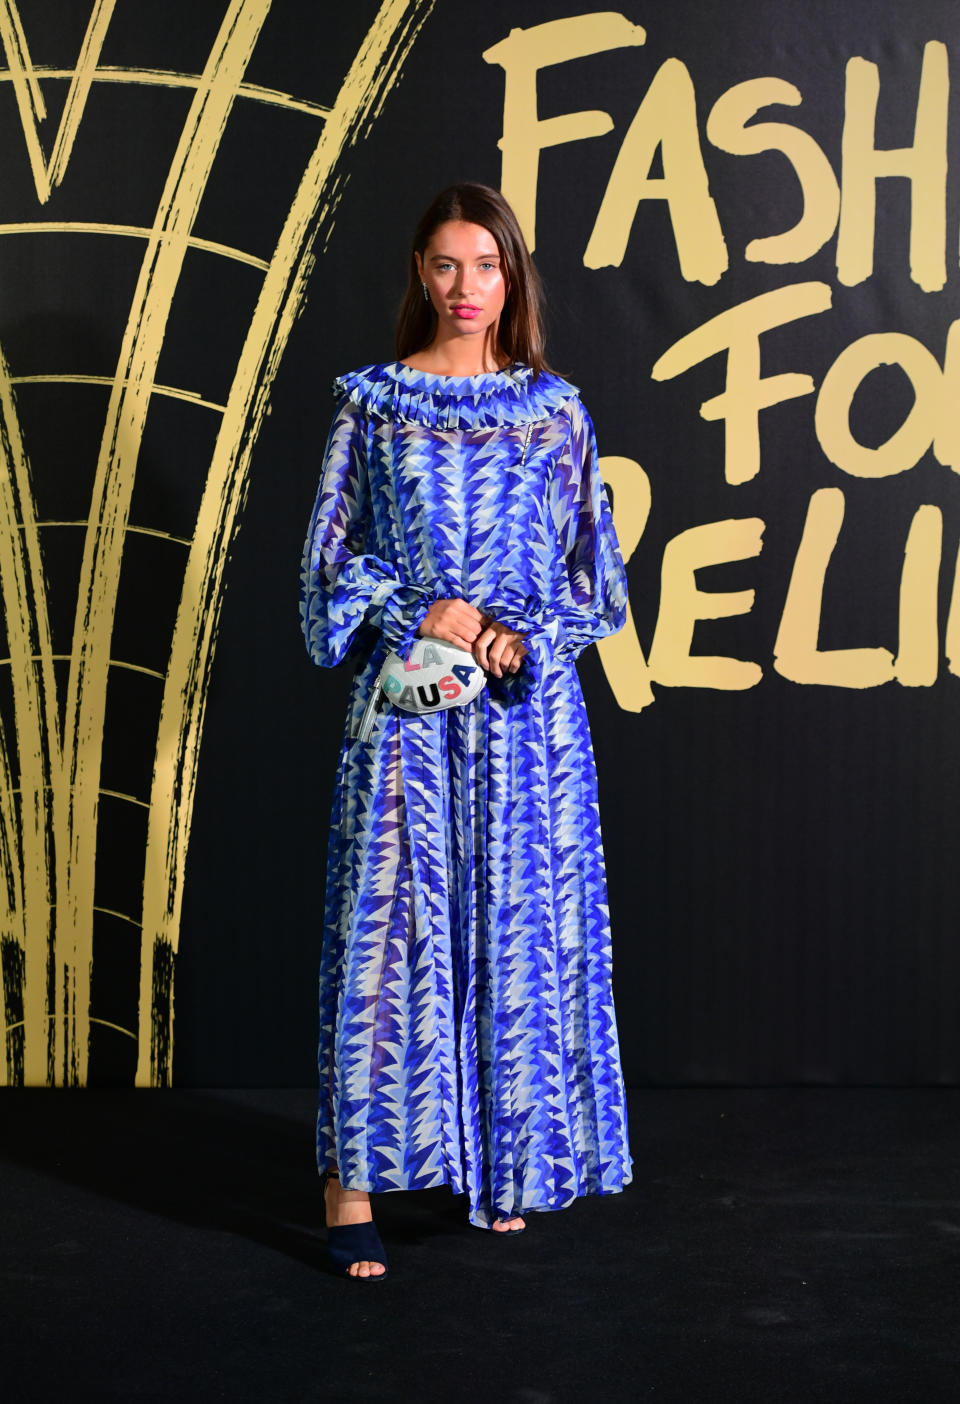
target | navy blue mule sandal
x=351, y=1243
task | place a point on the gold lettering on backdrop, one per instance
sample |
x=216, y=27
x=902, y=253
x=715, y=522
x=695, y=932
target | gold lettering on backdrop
x=728, y=130
x=924, y=164
x=522, y=55
x=951, y=642
x=737, y=331
x=666, y=119
x=946, y=444
x=797, y=655
x=48, y=830
x=916, y=434
x=682, y=604
x=918, y=658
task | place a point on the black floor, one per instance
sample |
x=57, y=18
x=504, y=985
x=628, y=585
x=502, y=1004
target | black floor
x=775, y=1245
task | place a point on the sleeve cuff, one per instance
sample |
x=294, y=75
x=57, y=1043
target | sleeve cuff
x=540, y=642
x=399, y=616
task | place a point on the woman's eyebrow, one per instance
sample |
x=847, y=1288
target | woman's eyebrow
x=480, y=258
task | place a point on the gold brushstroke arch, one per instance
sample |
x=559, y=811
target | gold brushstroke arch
x=192, y=397
x=36, y=718
x=128, y=231
x=114, y=663
x=107, y=1023
x=110, y=504
x=372, y=74
x=62, y=786
x=169, y=78
x=138, y=530
x=30, y=104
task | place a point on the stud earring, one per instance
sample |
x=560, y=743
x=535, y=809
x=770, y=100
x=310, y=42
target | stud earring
x=426, y=295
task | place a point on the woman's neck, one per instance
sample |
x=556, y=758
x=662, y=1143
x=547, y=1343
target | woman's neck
x=458, y=356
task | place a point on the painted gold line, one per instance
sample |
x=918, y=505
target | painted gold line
x=137, y=668
x=8, y=1028
x=37, y=724
x=140, y=530
x=11, y=878
x=128, y=231
x=106, y=1024
x=30, y=72
x=226, y=251
x=11, y=915
x=121, y=916
x=11, y=907
x=128, y=799
x=167, y=78
x=254, y=92
x=374, y=70
x=25, y=86
x=113, y=488
x=79, y=89
x=114, y=663
x=163, y=535
x=117, y=794
x=24, y=76
x=192, y=397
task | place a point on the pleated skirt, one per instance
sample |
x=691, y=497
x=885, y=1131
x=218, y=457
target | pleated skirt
x=467, y=1029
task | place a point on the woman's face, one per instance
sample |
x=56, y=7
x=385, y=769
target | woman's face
x=461, y=268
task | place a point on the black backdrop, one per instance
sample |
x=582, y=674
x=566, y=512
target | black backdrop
x=780, y=859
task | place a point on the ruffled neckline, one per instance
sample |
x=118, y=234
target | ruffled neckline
x=393, y=391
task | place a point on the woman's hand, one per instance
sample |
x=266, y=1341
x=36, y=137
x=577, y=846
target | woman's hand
x=499, y=649
x=455, y=622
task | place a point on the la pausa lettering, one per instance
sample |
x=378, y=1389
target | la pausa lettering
x=427, y=657
x=448, y=688
x=666, y=121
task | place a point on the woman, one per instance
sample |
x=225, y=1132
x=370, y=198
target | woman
x=468, y=1034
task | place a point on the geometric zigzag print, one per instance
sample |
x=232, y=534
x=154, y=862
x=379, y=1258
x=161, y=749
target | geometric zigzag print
x=467, y=1029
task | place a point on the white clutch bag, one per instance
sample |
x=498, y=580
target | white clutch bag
x=437, y=675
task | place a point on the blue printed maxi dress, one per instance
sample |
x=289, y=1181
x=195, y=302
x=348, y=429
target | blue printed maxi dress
x=467, y=1027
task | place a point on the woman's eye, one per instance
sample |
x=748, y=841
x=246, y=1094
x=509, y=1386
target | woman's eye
x=486, y=265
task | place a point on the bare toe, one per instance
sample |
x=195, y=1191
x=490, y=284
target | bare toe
x=504, y=1225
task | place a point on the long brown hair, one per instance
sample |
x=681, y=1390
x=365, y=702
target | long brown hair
x=520, y=332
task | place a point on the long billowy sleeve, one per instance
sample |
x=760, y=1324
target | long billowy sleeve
x=589, y=598
x=342, y=586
